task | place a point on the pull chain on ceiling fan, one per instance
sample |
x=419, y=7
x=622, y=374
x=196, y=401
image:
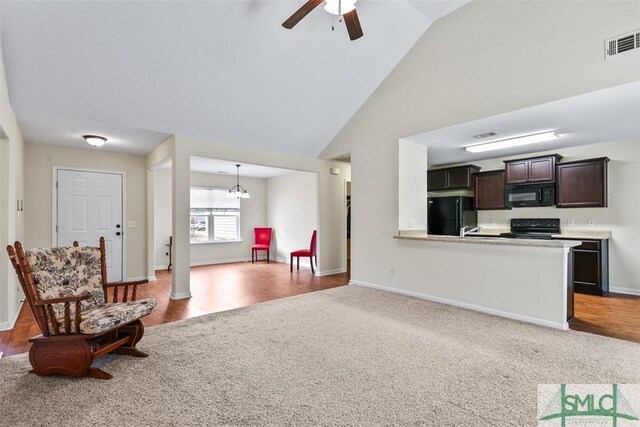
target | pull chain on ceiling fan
x=343, y=8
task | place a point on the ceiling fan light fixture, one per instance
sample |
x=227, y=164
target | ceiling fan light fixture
x=340, y=7
x=95, y=140
x=513, y=142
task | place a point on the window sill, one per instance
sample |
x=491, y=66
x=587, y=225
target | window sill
x=215, y=242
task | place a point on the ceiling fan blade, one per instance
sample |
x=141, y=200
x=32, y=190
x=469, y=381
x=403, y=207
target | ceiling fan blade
x=353, y=25
x=301, y=13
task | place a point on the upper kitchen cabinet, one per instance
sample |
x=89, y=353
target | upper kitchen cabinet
x=531, y=170
x=582, y=184
x=490, y=190
x=457, y=178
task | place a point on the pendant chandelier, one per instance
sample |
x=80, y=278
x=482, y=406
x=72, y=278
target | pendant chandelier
x=237, y=190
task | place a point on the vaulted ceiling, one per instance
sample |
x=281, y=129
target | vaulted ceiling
x=226, y=71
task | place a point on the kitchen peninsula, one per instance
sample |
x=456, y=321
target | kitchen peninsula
x=522, y=279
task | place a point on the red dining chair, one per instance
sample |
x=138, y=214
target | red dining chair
x=311, y=253
x=262, y=242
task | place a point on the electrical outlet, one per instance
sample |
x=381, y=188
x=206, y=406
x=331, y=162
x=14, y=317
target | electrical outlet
x=409, y=224
x=132, y=224
x=591, y=222
x=391, y=271
x=492, y=221
x=358, y=223
x=571, y=222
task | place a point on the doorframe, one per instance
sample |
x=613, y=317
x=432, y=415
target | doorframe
x=54, y=207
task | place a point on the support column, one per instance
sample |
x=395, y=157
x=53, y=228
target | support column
x=181, y=184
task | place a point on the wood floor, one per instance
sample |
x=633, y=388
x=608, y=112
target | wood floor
x=213, y=288
x=227, y=286
x=614, y=315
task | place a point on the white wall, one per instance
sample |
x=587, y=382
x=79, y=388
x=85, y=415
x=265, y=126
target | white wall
x=412, y=186
x=39, y=161
x=292, y=212
x=162, y=216
x=252, y=214
x=11, y=190
x=621, y=216
x=487, y=58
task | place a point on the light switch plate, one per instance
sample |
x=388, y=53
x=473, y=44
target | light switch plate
x=132, y=224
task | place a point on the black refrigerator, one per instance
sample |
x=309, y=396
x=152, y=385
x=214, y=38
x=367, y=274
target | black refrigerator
x=447, y=215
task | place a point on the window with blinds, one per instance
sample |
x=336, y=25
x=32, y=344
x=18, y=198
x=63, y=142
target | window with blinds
x=214, y=216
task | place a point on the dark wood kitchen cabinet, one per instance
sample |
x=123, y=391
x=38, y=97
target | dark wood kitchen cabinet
x=591, y=267
x=456, y=178
x=582, y=184
x=489, y=190
x=531, y=170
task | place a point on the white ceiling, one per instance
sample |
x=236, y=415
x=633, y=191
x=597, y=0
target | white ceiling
x=137, y=71
x=606, y=115
x=226, y=167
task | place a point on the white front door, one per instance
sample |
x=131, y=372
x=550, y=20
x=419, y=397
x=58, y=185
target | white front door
x=89, y=206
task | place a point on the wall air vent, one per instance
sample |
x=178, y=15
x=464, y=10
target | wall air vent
x=344, y=158
x=485, y=135
x=620, y=44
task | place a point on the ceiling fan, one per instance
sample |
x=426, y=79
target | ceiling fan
x=343, y=8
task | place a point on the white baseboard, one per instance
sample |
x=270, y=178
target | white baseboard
x=152, y=278
x=10, y=324
x=181, y=295
x=628, y=291
x=482, y=309
x=161, y=267
x=218, y=261
x=330, y=272
x=136, y=278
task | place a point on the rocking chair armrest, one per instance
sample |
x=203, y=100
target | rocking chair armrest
x=125, y=297
x=75, y=298
x=133, y=283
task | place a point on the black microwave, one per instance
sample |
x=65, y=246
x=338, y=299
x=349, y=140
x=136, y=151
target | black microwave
x=530, y=195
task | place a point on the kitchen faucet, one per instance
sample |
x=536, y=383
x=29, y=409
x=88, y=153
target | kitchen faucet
x=464, y=231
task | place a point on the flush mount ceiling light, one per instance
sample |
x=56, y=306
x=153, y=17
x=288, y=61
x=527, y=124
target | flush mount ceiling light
x=237, y=190
x=513, y=142
x=340, y=7
x=95, y=140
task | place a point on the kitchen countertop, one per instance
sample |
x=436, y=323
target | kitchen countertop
x=564, y=234
x=503, y=241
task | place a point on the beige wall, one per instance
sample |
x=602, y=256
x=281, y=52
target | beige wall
x=487, y=58
x=40, y=160
x=292, y=212
x=11, y=189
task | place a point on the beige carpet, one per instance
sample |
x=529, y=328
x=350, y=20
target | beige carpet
x=345, y=356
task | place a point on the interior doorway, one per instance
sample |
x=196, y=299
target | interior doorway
x=348, y=226
x=89, y=205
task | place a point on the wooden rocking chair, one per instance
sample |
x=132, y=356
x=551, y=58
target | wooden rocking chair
x=66, y=289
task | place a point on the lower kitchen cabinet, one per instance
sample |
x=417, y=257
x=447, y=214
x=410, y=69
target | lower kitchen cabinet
x=591, y=267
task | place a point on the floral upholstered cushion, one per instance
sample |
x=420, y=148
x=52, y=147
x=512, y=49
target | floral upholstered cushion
x=108, y=316
x=67, y=271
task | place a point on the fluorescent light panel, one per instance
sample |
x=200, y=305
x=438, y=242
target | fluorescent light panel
x=513, y=142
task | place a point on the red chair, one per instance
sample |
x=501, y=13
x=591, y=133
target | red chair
x=311, y=253
x=262, y=242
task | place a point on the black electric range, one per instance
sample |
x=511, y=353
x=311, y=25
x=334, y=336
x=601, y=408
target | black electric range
x=533, y=228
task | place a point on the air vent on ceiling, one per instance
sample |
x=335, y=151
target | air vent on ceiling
x=485, y=135
x=620, y=44
x=344, y=158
